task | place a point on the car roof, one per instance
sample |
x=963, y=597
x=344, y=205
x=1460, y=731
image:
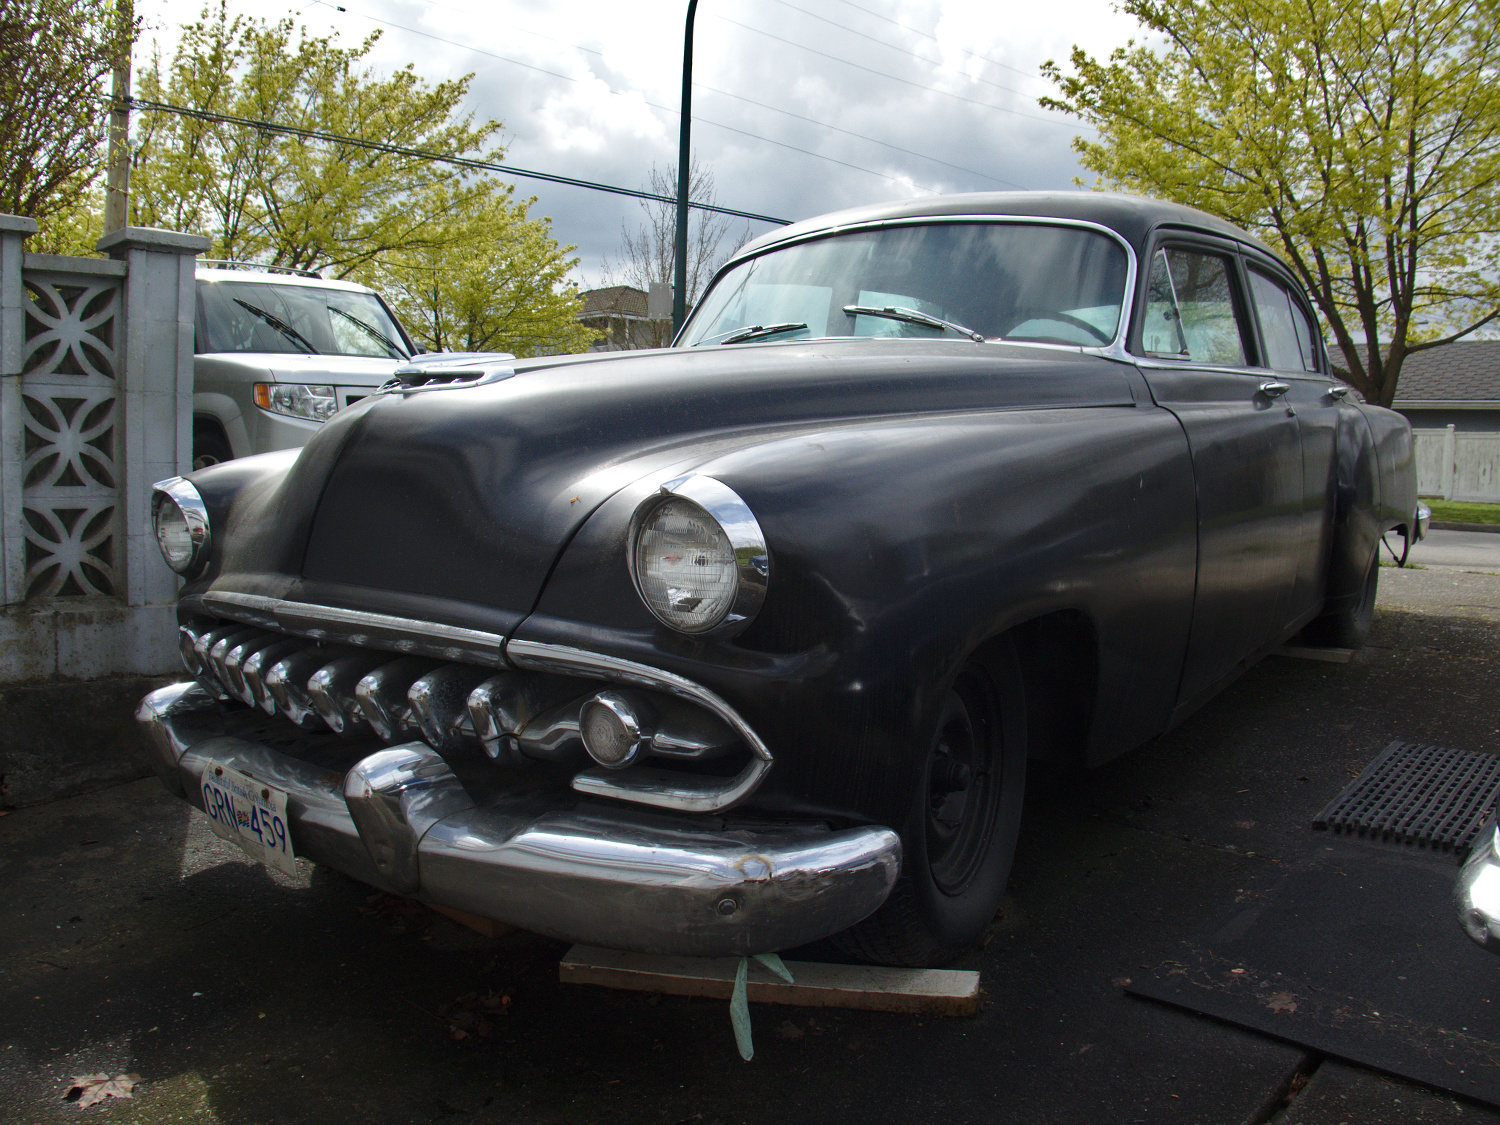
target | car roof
x=255, y=276
x=1133, y=217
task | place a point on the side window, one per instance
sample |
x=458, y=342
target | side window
x=1190, y=309
x=1283, y=325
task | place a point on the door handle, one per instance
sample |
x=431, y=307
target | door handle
x=1274, y=390
x=1339, y=393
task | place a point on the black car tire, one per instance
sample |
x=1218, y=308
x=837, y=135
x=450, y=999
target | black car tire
x=1348, y=628
x=960, y=835
x=210, y=446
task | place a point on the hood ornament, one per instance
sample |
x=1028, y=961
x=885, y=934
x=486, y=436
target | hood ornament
x=448, y=371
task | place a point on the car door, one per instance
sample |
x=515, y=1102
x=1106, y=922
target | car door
x=1290, y=349
x=1196, y=349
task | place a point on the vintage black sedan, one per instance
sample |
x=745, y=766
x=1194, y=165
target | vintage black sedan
x=735, y=645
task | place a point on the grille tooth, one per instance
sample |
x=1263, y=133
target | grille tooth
x=203, y=644
x=258, y=663
x=382, y=696
x=503, y=705
x=220, y=652
x=439, y=706
x=286, y=681
x=187, y=641
x=234, y=664
x=331, y=689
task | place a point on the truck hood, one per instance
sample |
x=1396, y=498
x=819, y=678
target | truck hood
x=453, y=504
x=324, y=370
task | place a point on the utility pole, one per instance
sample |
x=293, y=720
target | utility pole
x=117, y=173
x=684, y=154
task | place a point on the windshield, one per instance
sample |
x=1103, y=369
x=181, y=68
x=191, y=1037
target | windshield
x=238, y=316
x=1013, y=281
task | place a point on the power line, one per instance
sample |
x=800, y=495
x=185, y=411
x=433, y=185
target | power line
x=423, y=154
x=893, y=47
x=892, y=77
x=619, y=94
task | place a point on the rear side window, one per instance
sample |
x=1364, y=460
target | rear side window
x=1190, y=311
x=1283, y=325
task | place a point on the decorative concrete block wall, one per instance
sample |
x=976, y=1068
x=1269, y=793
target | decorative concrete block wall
x=96, y=381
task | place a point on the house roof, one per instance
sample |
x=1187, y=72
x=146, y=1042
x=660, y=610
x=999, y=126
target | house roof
x=615, y=300
x=1465, y=372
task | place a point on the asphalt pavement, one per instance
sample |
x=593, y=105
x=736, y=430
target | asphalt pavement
x=1468, y=550
x=134, y=941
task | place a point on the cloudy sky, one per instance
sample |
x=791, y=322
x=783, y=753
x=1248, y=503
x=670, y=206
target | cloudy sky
x=799, y=106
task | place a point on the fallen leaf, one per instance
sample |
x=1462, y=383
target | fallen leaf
x=789, y=1030
x=1282, y=1002
x=1121, y=982
x=93, y=1088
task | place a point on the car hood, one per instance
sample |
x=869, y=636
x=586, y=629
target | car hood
x=453, y=504
x=336, y=370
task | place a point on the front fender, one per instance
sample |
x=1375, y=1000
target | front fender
x=897, y=547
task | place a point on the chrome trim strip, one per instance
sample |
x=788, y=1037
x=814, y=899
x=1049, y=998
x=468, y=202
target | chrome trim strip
x=356, y=627
x=721, y=794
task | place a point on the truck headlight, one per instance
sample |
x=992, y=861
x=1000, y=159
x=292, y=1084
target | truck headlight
x=698, y=556
x=181, y=522
x=297, y=400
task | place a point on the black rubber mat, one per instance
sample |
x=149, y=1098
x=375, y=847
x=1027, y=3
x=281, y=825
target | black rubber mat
x=1421, y=796
x=1356, y=953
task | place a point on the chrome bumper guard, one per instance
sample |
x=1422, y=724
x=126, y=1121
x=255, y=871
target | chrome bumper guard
x=401, y=820
x=1477, y=893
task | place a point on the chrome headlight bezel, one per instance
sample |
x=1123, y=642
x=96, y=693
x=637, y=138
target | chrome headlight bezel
x=185, y=499
x=723, y=506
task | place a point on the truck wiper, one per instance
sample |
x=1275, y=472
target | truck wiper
x=280, y=325
x=912, y=316
x=756, y=331
x=397, y=352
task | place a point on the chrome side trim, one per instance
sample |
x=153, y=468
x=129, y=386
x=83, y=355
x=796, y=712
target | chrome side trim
x=356, y=627
x=641, y=785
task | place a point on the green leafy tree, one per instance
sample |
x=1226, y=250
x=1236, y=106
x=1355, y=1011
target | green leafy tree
x=287, y=200
x=1363, y=140
x=489, y=279
x=54, y=58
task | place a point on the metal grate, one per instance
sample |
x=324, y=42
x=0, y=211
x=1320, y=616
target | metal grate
x=1425, y=796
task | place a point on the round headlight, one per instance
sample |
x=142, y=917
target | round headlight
x=181, y=521
x=698, y=556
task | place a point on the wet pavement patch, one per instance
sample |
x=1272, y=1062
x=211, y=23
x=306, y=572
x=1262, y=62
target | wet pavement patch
x=1354, y=952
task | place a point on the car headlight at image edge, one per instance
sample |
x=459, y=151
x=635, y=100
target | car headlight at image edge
x=312, y=402
x=181, y=522
x=698, y=556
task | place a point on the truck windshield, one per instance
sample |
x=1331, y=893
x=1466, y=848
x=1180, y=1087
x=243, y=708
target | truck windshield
x=1035, y=282
x=301, y=319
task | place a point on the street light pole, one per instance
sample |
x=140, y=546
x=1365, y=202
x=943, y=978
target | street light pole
x=684, y=146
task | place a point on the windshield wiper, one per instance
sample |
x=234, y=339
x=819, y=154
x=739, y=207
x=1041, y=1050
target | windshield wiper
x=756, y=331
x=912, y=316
x=280, y=325
x=380, y=337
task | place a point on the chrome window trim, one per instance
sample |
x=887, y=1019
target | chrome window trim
x=748, y=541
x=182, y=493
x=641, y=785
x=356, y=627
x=1115, y=349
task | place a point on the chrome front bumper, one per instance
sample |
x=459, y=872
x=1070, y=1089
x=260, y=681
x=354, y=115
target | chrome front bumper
x=1477, y=893
x=401, y=820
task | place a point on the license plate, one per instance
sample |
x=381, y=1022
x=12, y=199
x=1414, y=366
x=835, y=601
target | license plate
x=249, y=813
